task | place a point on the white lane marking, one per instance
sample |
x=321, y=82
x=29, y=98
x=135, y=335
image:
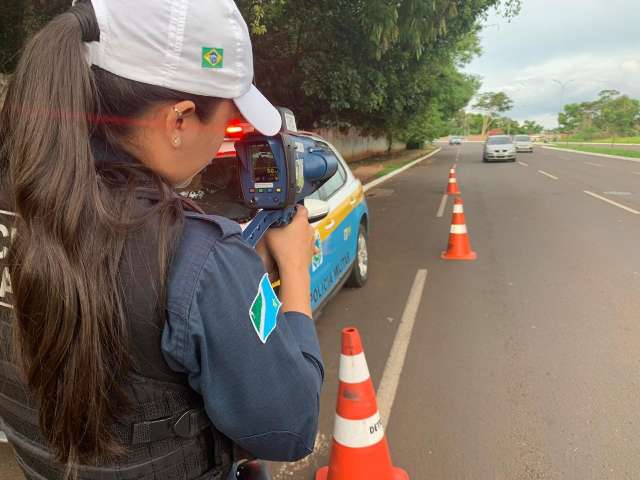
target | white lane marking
x=358, y=433
x=619, y=205
x=353, y=368
x=395, y=362
x=523, y=164
x=443, y=204
x=380, y=180
x=594, y=164
x=4, y=212
x=547, y=174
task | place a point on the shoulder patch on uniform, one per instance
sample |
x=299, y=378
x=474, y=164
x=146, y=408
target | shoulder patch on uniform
x=264, y=309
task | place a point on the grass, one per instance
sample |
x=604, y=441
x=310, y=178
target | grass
x=606, y=150
x=390, y=167
x=408, y=157
x=608, y=140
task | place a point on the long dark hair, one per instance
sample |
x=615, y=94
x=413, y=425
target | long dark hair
x=73, y=217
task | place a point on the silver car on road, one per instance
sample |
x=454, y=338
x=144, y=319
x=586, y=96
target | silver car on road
x=499, y=147
x=523, y=143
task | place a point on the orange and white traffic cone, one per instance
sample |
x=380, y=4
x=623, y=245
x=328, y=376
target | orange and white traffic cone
x=452, y=186
x=359, y=450
x=459, y=247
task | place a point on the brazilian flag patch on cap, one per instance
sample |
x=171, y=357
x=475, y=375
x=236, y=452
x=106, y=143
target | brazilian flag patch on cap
x=212, y=57
x=264, y=309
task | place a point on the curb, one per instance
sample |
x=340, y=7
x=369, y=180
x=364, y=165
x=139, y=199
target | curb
x=604, y=155
x=390, y=175
x=603, y=143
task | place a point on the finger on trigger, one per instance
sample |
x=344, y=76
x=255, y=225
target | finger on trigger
x=302, y=210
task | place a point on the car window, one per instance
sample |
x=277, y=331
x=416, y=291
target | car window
x=315, y=195
x=523, y=138
x=499, y=140
x=335, y=183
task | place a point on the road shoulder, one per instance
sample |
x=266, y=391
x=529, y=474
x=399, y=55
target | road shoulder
x=604, y=155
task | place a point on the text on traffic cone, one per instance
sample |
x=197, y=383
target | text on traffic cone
x=359, y=449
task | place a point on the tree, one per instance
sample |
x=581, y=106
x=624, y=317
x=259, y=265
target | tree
x=569, y=119
x=11, y=33
x=618, y=114
x=18, y=20
x=386, y=67
x=492, y=103
x=611, y=114
x=531, y=127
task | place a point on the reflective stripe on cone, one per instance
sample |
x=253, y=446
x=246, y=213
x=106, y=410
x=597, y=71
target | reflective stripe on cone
x=359, y=449
x=459, y=247
x=452, y=185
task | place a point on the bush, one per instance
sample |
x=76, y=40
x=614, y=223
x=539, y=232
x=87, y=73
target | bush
x=415, y=144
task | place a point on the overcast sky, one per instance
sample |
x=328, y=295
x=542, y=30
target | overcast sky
x=589, y=44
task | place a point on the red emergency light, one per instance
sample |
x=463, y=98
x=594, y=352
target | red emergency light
x=237, y=128
x=232, y=129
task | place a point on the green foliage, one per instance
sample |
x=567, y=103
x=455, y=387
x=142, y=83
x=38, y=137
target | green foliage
x=464, y=123
x=388, y=67
x=532, y=128
x=611, y=114
x=492, y=103
x=19, y=19
x=621, y=140
x=11, y=33
x=621, y=152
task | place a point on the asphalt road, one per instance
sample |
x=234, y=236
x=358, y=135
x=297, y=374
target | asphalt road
x=522, y=365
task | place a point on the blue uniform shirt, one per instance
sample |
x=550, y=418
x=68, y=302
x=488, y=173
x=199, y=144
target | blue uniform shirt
x=262, y=395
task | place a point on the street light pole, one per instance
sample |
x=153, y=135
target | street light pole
x=563, y=86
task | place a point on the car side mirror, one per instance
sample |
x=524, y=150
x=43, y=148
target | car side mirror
x=318, y=209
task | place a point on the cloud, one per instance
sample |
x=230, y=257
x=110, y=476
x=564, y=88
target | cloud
x=586, y=45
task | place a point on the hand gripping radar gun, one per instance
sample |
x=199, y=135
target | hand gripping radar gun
x=277, y=173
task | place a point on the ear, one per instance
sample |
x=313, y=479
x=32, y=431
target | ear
x=176, y=118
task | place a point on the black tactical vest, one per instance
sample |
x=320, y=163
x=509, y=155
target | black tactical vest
x=167, y=434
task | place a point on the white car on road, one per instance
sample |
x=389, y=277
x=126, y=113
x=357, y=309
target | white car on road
x=523, y=143
x=499, y=147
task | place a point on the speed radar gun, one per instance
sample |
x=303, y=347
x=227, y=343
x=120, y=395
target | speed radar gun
x=277, y=173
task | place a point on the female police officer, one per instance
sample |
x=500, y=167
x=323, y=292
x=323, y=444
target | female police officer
x=141, y=338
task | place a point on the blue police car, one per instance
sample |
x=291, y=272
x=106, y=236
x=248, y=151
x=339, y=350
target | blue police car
x=341, y=236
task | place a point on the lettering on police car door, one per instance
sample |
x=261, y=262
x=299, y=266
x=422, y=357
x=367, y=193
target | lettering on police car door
x=7, y=233
x=325, y=284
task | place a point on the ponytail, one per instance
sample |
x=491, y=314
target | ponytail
x=73, y=217
x=70, y=339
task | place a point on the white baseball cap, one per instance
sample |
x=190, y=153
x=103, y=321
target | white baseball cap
x=193, y=46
